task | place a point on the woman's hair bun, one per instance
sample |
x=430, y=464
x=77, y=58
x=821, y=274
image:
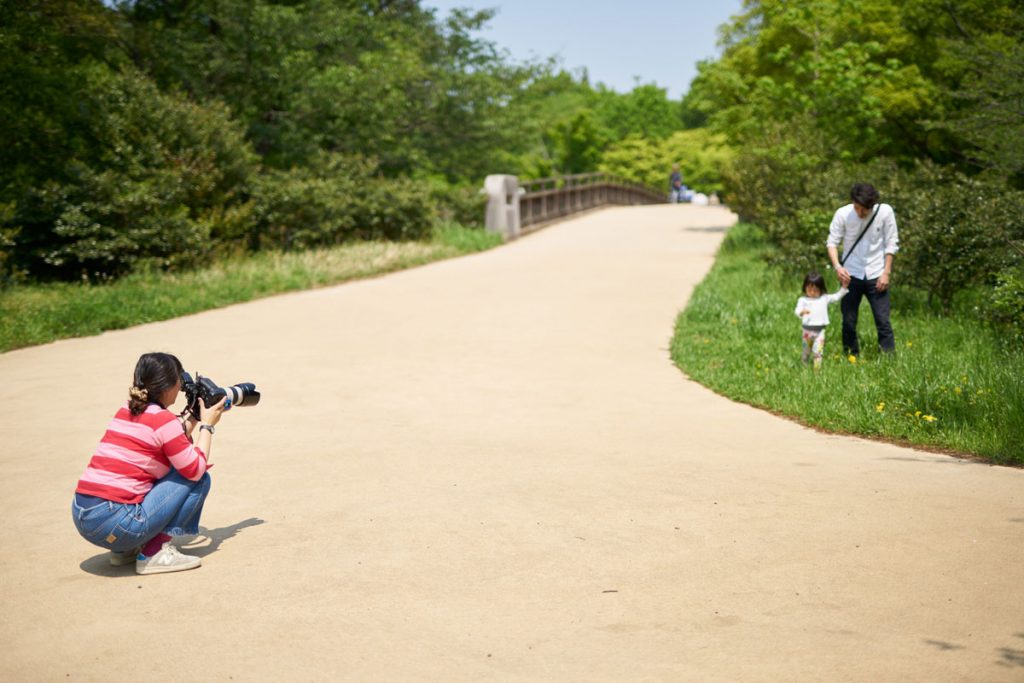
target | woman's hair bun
x=139, y=394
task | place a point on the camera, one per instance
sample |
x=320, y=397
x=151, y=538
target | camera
x=206, y=390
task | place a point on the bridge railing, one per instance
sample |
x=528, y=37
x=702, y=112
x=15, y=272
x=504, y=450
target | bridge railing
x=516, y=208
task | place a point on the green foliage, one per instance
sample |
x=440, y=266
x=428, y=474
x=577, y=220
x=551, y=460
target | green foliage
x=702, y=157
x=801, y=86
x=151, y=135
x=1006, y=306
x=581, y=124
x=392, y=82
x=458, y=203
x=578, y=143
x=643, y=112
x=951, y=384
x=337, y=199
x=958, y=230
x=990, y=118
x=466, y=240
x=162, y=180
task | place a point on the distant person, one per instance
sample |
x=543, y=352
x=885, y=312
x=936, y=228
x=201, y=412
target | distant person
x=147, y=479
x=870, y=240
x=812, y=309
x=676, y=189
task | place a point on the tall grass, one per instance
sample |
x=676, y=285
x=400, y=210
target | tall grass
x=44, y=313
x=952, y=385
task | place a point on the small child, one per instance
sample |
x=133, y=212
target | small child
x=812, y=309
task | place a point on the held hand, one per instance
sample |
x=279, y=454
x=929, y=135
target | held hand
x=211, y=415
x=805, y=312
x=844, y=276
x=883, y=283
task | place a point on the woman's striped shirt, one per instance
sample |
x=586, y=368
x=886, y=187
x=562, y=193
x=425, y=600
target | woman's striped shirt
x=136, y=451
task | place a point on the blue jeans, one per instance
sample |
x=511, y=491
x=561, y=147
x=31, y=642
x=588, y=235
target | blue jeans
x=850, y=305
x=172, y=506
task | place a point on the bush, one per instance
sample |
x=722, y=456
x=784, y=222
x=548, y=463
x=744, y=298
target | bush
x=958, y=229
x=163, y=181
x=336, y=199
x=463, y=204
x=701, y=155
x=1006, y=309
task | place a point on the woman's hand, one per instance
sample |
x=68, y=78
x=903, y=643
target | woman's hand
x=211, y=415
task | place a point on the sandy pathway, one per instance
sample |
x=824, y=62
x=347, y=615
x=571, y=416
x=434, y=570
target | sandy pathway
x=488, y=469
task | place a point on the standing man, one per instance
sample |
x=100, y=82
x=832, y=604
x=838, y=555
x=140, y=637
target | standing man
x=868, y=233
x=675, y=185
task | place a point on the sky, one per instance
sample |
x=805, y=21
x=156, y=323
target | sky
x=618, y=42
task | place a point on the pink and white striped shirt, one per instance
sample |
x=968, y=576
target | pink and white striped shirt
x=136, y=451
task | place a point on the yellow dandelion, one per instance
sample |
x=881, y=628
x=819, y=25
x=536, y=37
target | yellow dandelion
x=917, y=413
x=957, y=389
x=909, y=344
x=880, y=407
x=852, y=358
x=929, y=418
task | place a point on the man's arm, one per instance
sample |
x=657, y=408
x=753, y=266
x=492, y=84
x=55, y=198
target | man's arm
x=883, y=280
x=835, y=236
x=892, y=245
x=843, y=273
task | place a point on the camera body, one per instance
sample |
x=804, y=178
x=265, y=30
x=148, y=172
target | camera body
x=206, y=390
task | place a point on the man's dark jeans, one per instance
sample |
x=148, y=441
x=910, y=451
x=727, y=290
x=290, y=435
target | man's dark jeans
x=850, y=305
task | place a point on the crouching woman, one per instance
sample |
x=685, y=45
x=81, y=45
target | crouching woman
x=147, y=479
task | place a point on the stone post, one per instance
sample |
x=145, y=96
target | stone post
x=502, y=205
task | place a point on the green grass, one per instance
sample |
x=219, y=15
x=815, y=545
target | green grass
x=44, y=313
x=952, y=384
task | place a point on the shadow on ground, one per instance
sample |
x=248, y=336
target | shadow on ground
x=1008, y=656
x=711, y=229
x=206, y=542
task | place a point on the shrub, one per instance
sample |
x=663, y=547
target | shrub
x=163, y=180
x=1006, y=306
x=336, y=199
x=457, y=203
x=701, y=155
x=958, y=229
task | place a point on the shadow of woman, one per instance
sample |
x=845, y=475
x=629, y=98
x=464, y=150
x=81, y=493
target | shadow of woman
x=204, y=543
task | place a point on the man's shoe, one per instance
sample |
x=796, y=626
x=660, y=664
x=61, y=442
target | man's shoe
x=125, y=557
x=168, y=559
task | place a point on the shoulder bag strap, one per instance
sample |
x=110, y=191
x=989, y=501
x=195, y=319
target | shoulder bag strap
x=849, y=251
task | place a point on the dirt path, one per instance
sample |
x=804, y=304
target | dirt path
x=488, y=469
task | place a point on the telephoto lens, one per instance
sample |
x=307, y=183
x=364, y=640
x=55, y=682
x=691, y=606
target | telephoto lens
x=243, y=394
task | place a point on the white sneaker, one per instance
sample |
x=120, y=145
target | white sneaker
x=123, y=558
x=168, y=559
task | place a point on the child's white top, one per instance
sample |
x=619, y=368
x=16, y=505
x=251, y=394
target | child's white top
x=818, y=307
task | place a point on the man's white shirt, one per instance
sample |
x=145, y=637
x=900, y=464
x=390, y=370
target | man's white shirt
x=867, y=261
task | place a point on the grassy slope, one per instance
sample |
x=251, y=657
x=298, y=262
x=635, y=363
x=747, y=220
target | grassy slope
x=952, y=385
x=41, y=314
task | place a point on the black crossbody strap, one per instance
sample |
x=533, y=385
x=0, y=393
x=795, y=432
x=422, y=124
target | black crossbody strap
x=863, y=232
